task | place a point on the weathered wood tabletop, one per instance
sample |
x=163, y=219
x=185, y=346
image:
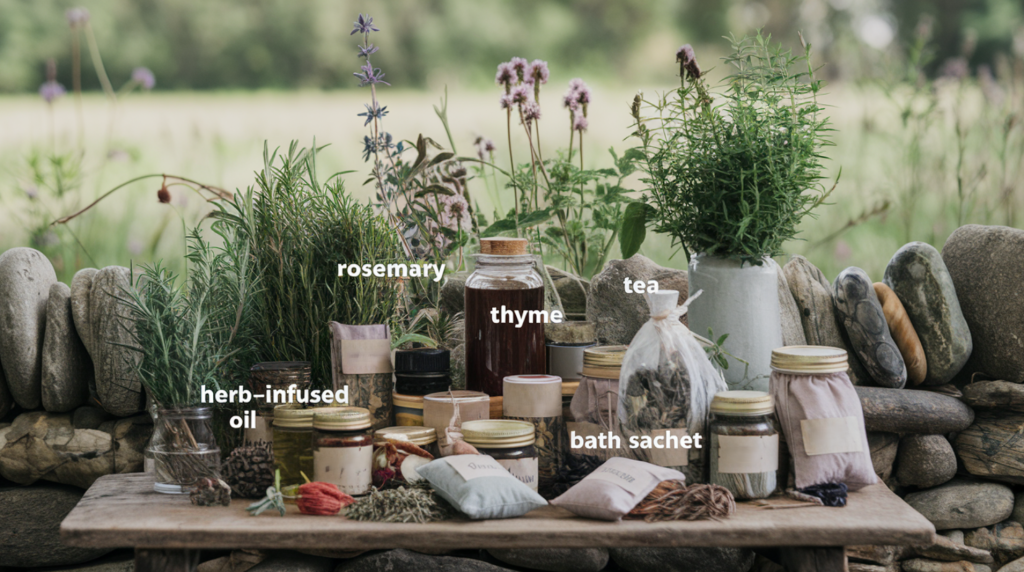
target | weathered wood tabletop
x=123, y=510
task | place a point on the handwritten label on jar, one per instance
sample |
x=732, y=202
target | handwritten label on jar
x=622, y=474
x=527, y=470
x=347, y=467
x=832, y=435
x=261, y=435
x=669, y=455
x=747, y=454
x=476, y=466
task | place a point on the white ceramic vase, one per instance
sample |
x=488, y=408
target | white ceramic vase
x=742, y=300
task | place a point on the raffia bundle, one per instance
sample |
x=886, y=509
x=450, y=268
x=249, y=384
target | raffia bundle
x=673, y=500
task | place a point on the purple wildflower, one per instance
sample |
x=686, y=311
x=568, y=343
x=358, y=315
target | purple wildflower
x=537, y=72
x=367, y=50
x=364, y=25
x=519, y=65
x=521, y=94
x=506, y=101
x=580, y=124
x=582, y=94
x=569, y=100
x=51, y=90
x=531, y=111
x=76, y=16
x=370, y=75
x=506, y=75
x=687, y=62
x=489, y=146
x=144, y=77
x=576, y=83
x=373, y=112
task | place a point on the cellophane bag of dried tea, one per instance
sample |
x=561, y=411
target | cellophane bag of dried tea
x=665, y=389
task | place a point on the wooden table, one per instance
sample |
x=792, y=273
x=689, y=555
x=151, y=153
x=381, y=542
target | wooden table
x=167, y=532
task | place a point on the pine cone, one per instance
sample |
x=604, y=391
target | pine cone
x=249, y=471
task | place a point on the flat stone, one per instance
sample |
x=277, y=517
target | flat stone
x=792, y=326
x=921, y=281
x=925, y=461
x=992, y=447
x=944, y=389
x=922, y=565
x=1018, y=507
x=945, y=549
x=1014, y=566
x=683, y=559
x=903, y=333
x=397, y=560
x=883, y=448
x=963, y=504
x=288, y=561
x=862, y=567
x=67, y=367
x=995, y=394
x=89, y=417
x=25, y=279
x=30, y=533
x=912, y=411
x=618, y=314
x=956, y=536
x=118, y=388
x=875, y=554
x=573, y=291
x=986, y=264
x=239, y=560
x=1005, y=541
x=813, y=295
x=860, y=315
x=571, y=333
x=81, y=291
x=554, y=559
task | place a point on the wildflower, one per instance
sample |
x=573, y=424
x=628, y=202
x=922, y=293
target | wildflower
x=569, y=100
x=537, y=72
x=76, y=16
x=364, y=25
x=371, y=147
x=367, y=50
x=370, y=75
x=373, y=112
x=163, y=195
x=531, y=111
x=51, y=90
x=506, y=101
x=454, y=212
x=506, y=75
x=580, y=124
x=688, y=62
x=519, y=65
x=489, y=146
x=144, y=77
x=521, y=94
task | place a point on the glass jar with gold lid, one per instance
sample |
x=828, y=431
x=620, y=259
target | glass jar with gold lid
x=744, y=443
x=343, y=449
x=509, y=442
x=293, y=447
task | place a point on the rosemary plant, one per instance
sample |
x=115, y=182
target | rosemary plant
x=732, y=175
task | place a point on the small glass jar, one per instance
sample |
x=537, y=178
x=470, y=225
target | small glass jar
x=422, y=371
x=744, y=444
x=343, y=449
x=183, y=448
x=423, y=437
x=293, y=445
x=509, y=442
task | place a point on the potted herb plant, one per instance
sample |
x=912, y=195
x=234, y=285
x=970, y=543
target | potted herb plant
x=189, y=335
x=729, y=176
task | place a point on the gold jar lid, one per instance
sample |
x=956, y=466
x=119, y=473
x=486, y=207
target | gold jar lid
x=604, y=362
x=742, y=403
x=499, y=433
x=293, y=415
x=809, y=360
x=416, y=435
x=458, y=396
x=409, y=401
x=342, y=419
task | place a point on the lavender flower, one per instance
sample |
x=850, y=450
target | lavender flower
x=519, y=65
x=687, y=62
x=506, y=101
x=367, y=50
x=364, y=25
x=582, y=93
x=382, y=144
x=537, y=72
x=370, y=75
x=373, y=112
x=76, y=16
x=506, y=75
x=569, y=100
x=144, y=77
x=521, y=94
x=531, y=111
x=51, y=90
x=580, y=124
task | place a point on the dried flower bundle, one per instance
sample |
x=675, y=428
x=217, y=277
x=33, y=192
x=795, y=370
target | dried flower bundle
x=673, y=500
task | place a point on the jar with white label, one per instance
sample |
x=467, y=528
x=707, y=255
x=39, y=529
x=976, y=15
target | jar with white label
x=509, y=442
x=343, y=449
x=744, y=455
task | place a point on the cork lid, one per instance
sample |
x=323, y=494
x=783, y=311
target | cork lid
x=504, y=246
x=809, y=360
x=498, y=433
x=742, y=403
x=342, y=419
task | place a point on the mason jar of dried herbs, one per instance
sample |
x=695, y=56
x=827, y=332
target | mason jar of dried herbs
x=744, y=455
x=343, y=449
x=537, y=399
x=509, y=442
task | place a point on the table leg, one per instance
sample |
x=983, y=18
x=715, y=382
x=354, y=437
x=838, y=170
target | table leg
x=812, y=559
x=159, y=560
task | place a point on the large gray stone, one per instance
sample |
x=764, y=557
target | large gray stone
x=883, y=448
x=912, y=411
x=921, y=281
x=860, y=315
x=6, y=401
x=813, y=295
x=792, y=326
x=992, y=447
x=946, y=549
x=683, y=559
x=118, y=388
x=925, y=565
x=89, y=417
x=67, y=368
x=1005, y=541
x=554, y=559
x=925, y=461
x=287, y=561
x=1018, y=507
x=986, y=264
x=995, y=395
x=963, y=504
x=572, y=290
x=401, y=560
x=81, y=291
x=25, y=279
x=30, y=520
x=618, y=314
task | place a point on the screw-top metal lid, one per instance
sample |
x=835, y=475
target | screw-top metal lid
x=459, y=396
x=416, y=435
x=404, y=400
x=295, y=416
x=498, y=433
x=504, y=246
x=342, y=419
x=809, y=360
x=742, y=403
x=603, y=362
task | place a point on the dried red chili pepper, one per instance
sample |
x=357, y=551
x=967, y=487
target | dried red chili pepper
x=319, y=498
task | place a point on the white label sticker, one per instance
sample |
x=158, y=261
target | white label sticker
x=623, y=474
x=832, y=435
x=347, y=467
x=477, y=466
x=671, y=453
x=747, y=454
x=526, y=470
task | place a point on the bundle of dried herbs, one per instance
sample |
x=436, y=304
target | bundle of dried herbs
x=411, y=503
x=673, y=500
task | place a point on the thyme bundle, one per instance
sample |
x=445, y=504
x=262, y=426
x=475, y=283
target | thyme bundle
x=410, y=503
x=673, y=500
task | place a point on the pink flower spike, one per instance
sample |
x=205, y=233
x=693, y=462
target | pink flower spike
x=506, y=75
x=580, y=124
x=519, y=65
x=537, y=72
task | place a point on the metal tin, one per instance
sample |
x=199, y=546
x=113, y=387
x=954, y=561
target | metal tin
x=809, y=360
